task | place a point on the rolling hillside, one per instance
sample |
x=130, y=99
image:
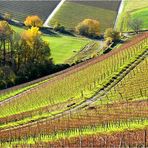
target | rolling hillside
x=50, y=113
x=73, y=12
x=100, y=101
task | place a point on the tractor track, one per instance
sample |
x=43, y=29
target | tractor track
x=98, y=96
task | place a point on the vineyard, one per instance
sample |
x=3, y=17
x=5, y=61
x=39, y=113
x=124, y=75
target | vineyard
x=103, y=11
x=21, y=9
x=102, y=102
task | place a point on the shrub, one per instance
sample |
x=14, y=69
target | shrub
x=108, y=41
x=112, y=34
x=7, y=16
x=7, y=77
x=34, y=21
x=59, y=27
x=88, y=27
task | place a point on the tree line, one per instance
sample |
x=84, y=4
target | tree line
x=23, y=56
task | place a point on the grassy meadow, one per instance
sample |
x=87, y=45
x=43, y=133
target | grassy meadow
x=62, y=47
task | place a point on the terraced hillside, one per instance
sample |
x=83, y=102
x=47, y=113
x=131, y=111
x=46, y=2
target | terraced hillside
x=79, y=105
x=133, y=9
x=73, y=12
x=21, y=9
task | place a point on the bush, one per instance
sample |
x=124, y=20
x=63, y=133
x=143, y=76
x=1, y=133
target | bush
x=112, y=34
x=7, y=77
x=34, y=21
x=108, y=41
x=7, y=16
x=59, y=27
x=89, y=28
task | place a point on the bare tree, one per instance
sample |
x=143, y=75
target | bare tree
x=135, y=24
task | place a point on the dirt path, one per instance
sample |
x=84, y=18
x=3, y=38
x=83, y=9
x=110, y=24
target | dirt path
x=46, y=24
x=119, y=13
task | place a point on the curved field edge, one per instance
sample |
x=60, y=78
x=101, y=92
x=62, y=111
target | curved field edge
x=54, y=113
x=66, y=44
x=18, y=91
x=108, y=128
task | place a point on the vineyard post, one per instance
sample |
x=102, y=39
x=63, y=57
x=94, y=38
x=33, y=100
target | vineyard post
x=145, y=138
x=80, y=141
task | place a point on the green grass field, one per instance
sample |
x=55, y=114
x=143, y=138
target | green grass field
x=143, y=14
x=70, y=14
x=62, y=47
x=134, y=9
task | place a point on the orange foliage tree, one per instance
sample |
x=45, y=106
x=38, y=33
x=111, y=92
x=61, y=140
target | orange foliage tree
x=34, y=21
x=30, y=36
x=88, y=27
x=34, y=48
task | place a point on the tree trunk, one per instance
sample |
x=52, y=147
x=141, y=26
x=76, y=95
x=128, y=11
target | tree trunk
x=4, y=53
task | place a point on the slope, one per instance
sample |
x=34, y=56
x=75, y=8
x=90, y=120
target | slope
x=71, y=13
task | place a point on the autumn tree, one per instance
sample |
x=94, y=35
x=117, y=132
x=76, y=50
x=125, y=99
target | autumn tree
x=29, y=53
x=88, y=27
x=34, y=21
x=34, y=47
x=135, y=24
x=5, y=40
x=33, y=53
x=111, y=34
